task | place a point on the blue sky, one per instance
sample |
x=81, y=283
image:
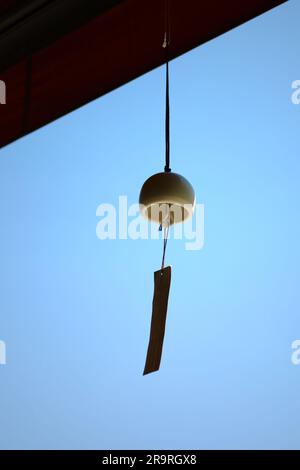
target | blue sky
x=75, y=310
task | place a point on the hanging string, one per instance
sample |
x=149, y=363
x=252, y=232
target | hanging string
x=166, y=234
x=166, y=44
x=167, y=165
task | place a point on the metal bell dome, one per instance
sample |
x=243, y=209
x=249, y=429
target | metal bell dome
x=168, y=196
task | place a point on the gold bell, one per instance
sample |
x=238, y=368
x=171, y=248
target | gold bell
x=167, y=198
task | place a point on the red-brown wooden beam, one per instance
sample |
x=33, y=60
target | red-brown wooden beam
x=55, y=75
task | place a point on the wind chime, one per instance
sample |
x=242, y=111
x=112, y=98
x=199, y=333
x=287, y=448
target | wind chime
x=166, y=198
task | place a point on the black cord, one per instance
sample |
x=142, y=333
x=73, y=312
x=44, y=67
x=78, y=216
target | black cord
x=167, y=136
x=167, y=120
